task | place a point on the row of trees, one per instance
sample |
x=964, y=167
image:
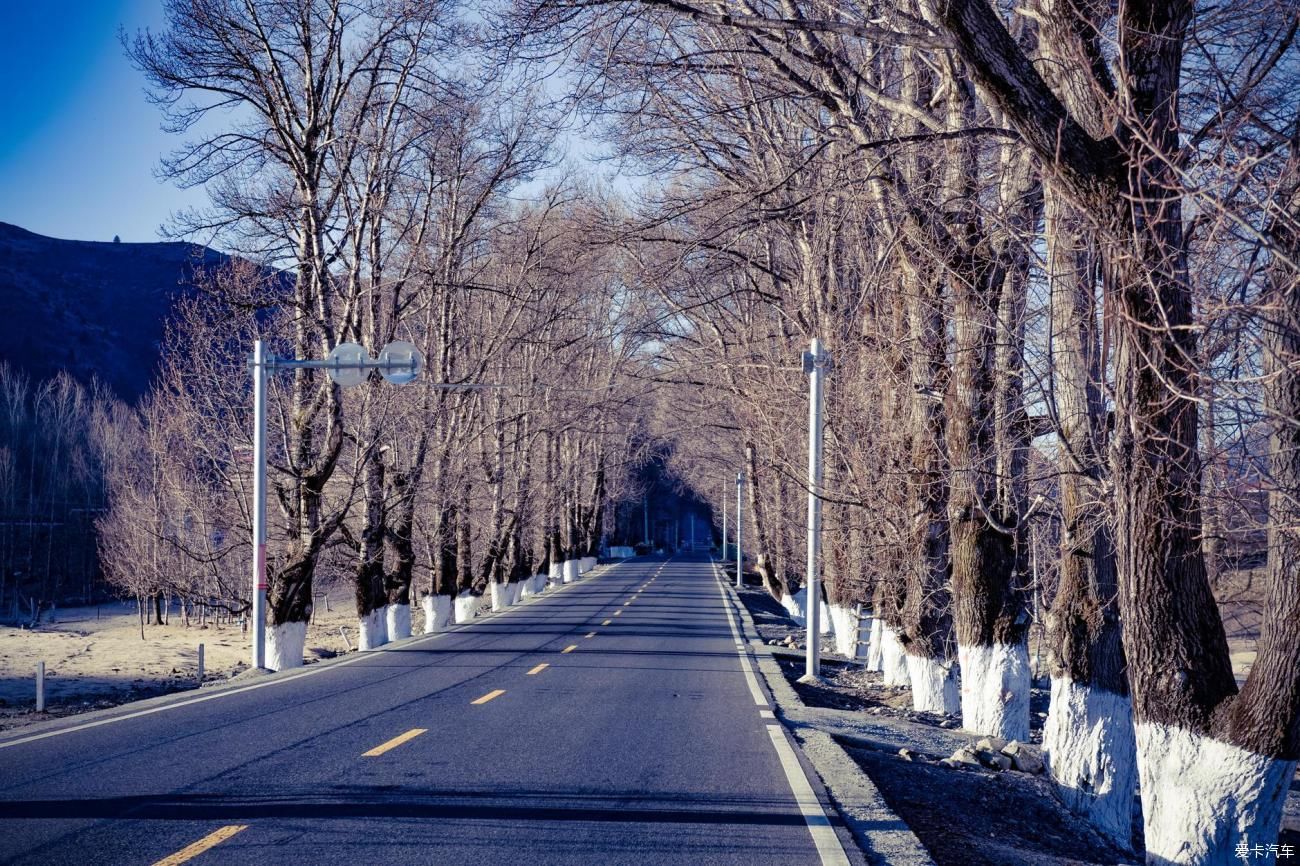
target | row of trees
x=368, y=171
x=1054, y=252
x=1053, y=249
x=51, y=491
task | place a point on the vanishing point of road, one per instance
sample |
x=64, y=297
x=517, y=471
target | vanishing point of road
x=617, y=720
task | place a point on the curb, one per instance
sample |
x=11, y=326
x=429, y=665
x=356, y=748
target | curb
x=883, y=836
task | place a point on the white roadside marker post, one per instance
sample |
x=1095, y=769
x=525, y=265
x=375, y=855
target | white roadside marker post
x=200, y=677
x=40, y=687
x=816, y=363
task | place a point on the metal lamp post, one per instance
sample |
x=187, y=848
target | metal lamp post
x=740, y=531
x=259, y=504
x=347, y=364
x=724, y=524
x=816, y=363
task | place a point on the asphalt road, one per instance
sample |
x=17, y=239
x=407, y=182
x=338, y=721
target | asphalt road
x=616, y=720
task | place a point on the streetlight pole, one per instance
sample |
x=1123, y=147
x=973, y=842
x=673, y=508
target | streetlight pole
x=259, y=504
x=724, y=524
x=347, y=365
x=816, y=363
x=740, y=531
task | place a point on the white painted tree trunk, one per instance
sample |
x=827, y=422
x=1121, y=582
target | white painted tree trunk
x=555, y=572
x=284, y=645
x=794, y=606
x=586, y=564
x=825, y=624
x=1090, y=752
x=570, y=570
x=515, y=591
x=995, y=690
x=399, y=621
x=500, y=596
x=874, y=649
x=437, y=613
x=845, y=625
x=467, y=605
x=1201, y=798
x=893, y=661
x=373, y=628
x=934, y=685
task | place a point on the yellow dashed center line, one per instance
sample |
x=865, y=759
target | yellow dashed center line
x=213, y=839
x=626, y=603
x=495, y=693
x=393, y=743
x=606, y=622
x=537, y=670
x=568, y=649
x=591, y=634
x=618, y=613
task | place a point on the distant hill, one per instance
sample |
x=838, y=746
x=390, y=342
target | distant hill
x=92, y=308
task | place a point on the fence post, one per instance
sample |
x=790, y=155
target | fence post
x=200, y=664
x=40, y=687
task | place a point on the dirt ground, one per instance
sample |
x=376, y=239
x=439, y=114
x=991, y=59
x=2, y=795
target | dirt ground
x=976, y=817
x=95, y=658
x=1241, y=603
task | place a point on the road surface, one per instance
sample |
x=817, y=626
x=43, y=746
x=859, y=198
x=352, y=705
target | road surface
x=613, y=721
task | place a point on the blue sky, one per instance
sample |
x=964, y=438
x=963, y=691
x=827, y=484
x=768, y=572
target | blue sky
x=79, y=143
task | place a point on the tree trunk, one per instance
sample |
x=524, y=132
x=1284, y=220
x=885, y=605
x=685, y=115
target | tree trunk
x=371, y=594
x=924, y=625
x=985, y=513
x=1088, y=738
x=401, y=562
x=438, y=603
x=757, y=536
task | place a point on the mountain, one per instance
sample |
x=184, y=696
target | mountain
x=94, y=309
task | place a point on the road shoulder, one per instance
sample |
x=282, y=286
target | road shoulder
x=883, y=836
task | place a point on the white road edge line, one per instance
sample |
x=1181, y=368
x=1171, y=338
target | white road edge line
x=750, y=680
x=225, y=693
x=823, y=835
x=829, y=849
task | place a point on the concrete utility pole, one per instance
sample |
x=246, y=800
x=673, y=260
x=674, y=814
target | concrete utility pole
x=740, y=530
x=816, y=363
